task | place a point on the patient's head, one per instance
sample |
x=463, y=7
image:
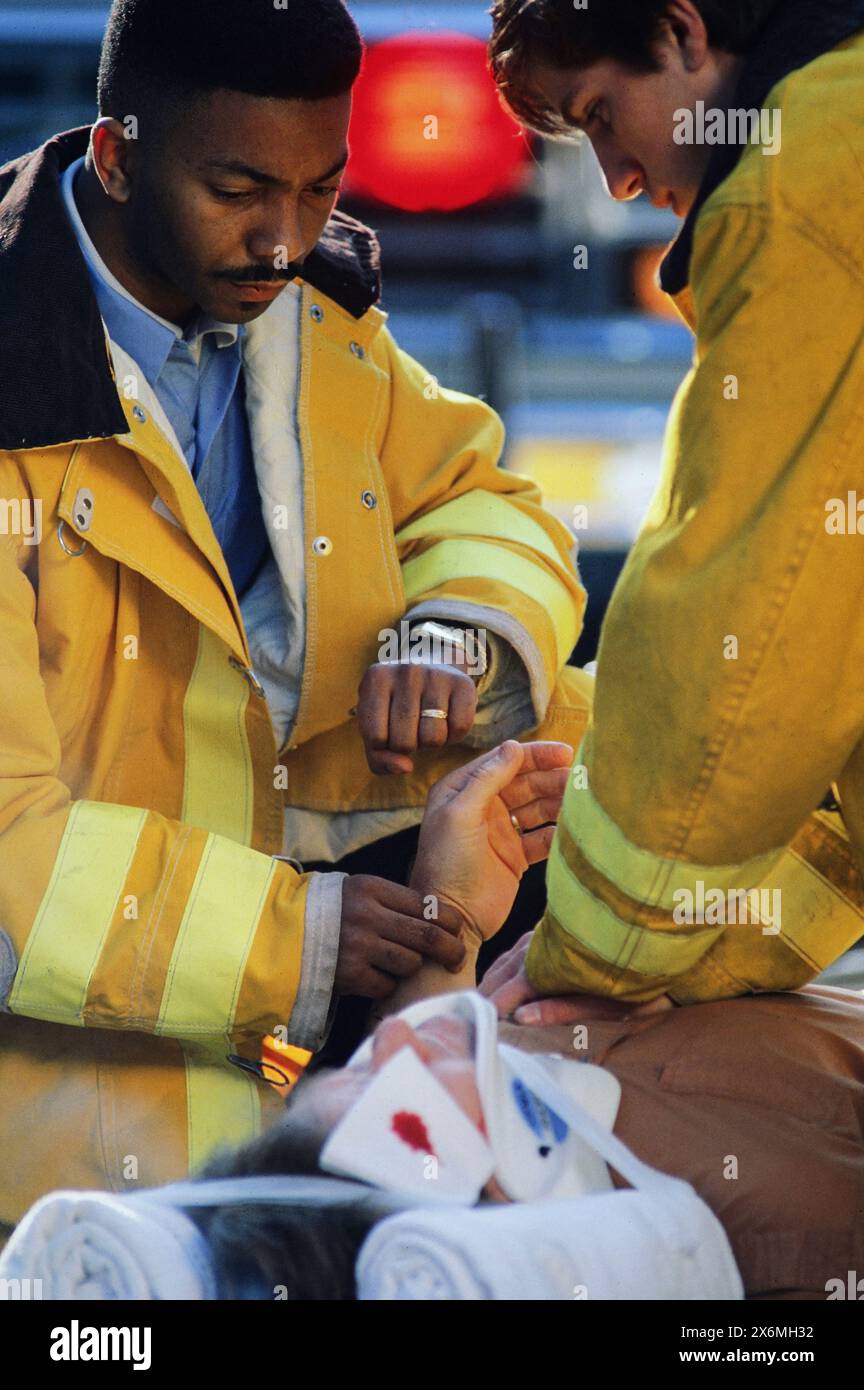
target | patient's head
x=309, y=1251
x=444, y=1045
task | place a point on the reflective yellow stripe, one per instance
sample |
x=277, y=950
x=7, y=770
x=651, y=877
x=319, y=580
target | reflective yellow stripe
x=448, y=561
x=215, y=936
x=646, y=877
x=590, y=922
x=486, y=514
x=222, y=1104
x=76, y=912
x=217, y=784
x=817, y=919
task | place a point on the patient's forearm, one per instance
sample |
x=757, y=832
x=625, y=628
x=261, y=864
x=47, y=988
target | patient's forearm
x=431, y=979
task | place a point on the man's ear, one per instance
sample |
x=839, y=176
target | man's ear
x=685, y=28
x=113, y=157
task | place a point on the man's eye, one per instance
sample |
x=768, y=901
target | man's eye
x=228, y=194
x=593, y=113
x=321, y=190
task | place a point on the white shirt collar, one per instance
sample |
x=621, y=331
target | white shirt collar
x=226, y=333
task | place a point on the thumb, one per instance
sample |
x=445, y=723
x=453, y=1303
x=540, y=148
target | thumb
x=489, y=775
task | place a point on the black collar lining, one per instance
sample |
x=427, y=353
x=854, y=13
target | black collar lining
x=797, y=33
x=56, y=386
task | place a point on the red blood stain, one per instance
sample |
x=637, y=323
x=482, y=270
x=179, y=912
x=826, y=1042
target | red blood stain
x=412, y=1131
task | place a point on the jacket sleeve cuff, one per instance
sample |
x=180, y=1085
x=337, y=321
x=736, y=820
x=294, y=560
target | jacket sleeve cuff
x=505, y=708
x=311, y=1016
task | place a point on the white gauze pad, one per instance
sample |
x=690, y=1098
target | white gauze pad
x=407, y=1134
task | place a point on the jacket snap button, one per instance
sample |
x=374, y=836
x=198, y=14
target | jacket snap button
x=357, y=350
x=316, y=313
x=82, y=509
x=369, y=500
x=139, y=414
x=322, y=545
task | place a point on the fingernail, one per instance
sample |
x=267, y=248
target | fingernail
x=529, y=1013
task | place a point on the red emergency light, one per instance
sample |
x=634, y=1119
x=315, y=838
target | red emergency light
x=428, y=133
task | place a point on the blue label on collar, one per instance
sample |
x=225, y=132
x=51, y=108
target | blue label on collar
x=538, y=1117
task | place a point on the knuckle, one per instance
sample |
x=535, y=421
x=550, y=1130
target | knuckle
x=389, y=957
x=414, y=903
x=402, y=742
x=436, y=736
x=430, y=935
x=405, y=703
x=368, y=682
x=394, y=959
x=405, y=678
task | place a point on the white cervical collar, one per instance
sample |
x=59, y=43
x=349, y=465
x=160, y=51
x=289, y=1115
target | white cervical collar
x=407, y=1134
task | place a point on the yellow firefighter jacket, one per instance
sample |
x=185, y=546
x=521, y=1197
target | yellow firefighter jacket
x=146, y=931
x=696, y=854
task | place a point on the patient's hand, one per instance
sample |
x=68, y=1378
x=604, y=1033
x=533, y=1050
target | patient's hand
x=470, y=853
x=507, y=986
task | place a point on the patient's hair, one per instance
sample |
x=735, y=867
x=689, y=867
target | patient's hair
x=558, y=35
x=302, y=1252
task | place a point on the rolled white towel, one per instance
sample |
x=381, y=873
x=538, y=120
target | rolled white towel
x=626, y=1245
x=92, y=1245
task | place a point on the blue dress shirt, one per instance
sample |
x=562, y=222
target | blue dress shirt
x=197, y=378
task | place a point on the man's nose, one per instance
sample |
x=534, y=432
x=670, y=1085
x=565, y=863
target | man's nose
x=279, y=237
x=624, y=177
x=391, y=1035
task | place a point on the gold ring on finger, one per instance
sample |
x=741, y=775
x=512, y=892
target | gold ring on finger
x=433, y=714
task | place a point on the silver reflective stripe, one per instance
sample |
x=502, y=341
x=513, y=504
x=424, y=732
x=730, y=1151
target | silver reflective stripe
x=307, y=1026
x=8, y=968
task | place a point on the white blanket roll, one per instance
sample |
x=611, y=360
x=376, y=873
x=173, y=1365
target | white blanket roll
x=93, y=1246
x=625, y=1245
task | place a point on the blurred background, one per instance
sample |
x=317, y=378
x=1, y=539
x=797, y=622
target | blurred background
x=508, y=270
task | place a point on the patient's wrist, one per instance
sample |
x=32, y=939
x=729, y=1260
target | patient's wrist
x=432, y=979
x=470, y=934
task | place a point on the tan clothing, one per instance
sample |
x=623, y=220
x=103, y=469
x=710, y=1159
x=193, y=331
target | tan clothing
x=759, y=1103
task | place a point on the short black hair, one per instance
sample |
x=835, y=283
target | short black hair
x=158, y=51
x=557, y=34
x=305, y=1250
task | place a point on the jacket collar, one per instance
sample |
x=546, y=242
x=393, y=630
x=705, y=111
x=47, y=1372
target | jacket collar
x=798, y=32
x=58, y=385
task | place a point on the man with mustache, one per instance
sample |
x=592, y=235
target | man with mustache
x=242, y=481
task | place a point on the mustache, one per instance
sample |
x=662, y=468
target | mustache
x=263, y=274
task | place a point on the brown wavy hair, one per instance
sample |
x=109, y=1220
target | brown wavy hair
x=555, y=33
